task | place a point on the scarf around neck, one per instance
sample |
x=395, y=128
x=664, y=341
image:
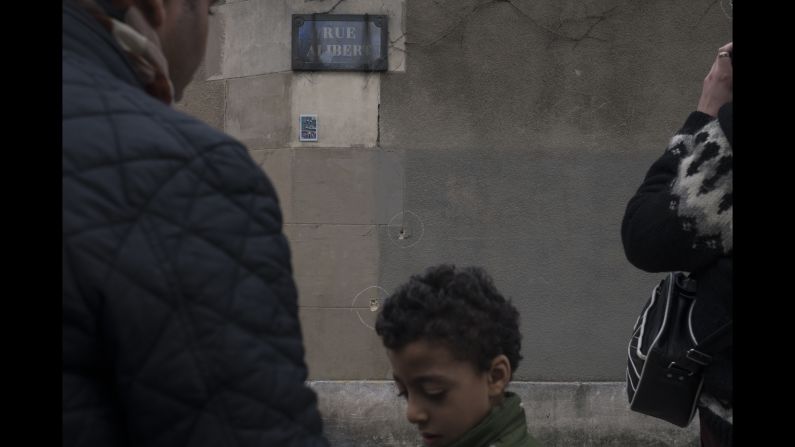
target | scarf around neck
x=505, y=426
x=140, y=43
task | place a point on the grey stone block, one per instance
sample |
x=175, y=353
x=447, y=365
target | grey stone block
x=256, y=38
x=346, y=186
x=211, y=64
x=206, y=101
x=340, y=344
x=278, y=165
x=594, y=413
x=334, y=186
x=346, y=105
x=258, y=111
x=334, y=264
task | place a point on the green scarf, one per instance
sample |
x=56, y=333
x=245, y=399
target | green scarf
x=505, y=426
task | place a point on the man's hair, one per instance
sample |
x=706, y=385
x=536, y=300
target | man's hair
x=460, y=308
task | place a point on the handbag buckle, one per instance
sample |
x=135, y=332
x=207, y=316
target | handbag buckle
x=699, y=357
x=679, y=369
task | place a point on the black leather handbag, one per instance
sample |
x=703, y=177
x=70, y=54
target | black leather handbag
x=665, y=360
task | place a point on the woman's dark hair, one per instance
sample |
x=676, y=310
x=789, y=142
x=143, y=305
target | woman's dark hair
x=458, y=307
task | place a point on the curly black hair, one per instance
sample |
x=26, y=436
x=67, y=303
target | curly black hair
x=459, y=307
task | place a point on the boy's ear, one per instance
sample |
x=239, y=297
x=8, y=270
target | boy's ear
x=499, y=375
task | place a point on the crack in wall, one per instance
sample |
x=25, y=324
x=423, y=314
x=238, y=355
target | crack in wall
x=598, y=18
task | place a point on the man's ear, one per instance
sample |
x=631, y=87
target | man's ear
x=499, y=375
x=153, y=10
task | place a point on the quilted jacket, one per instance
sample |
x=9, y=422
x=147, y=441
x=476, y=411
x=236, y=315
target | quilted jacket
x=180, y=320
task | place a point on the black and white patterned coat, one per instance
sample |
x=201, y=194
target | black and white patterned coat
x=680, y=219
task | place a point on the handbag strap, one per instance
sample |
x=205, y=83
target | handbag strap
x=702, y=353
x=717, y=340
x=714, y=343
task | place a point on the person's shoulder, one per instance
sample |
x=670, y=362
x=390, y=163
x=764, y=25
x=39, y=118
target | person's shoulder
x=132, y=120
x=187, y=129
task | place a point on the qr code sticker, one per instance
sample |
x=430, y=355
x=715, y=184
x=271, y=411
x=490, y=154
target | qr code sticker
x=308, y=128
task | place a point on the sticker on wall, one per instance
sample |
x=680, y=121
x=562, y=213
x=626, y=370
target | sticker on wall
x=308, y=128
x=405, y=229
x=366, y=304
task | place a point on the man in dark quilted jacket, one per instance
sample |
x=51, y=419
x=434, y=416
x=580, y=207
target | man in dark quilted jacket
x=180, y=324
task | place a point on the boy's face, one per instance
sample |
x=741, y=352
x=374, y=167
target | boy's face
x=445, y=396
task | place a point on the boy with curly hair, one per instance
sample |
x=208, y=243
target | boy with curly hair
x=453, y=341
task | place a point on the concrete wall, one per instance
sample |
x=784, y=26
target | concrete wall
x=525, y=127
x=339, y=194
x=506, y=134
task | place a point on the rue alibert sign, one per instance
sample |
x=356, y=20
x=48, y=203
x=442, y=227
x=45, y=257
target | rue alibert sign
x=340, y=42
